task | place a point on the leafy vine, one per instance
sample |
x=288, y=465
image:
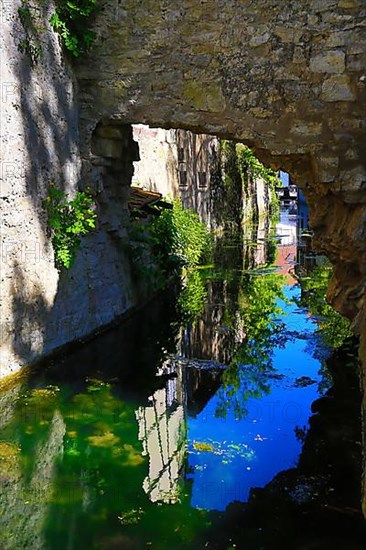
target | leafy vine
x=68, y=221
x=71, y=20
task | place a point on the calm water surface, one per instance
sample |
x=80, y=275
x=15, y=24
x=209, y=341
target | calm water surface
x=137, y=438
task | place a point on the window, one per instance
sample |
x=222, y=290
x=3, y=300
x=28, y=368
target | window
x=183, y=178
x=181, y=154
x=202, y=180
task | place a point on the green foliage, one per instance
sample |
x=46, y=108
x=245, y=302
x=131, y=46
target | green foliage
x=258, y=305
x=251, y=364
x=72, y=20
x=192, y=299
x=180, y=239
x=240, y=165
x=162, y=245
x=68, y=220
x=145, y=268
x=271, y=250
x=333, y=327
x=249, y=164
x=228, y=198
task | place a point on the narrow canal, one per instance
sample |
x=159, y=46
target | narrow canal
x=217, y=417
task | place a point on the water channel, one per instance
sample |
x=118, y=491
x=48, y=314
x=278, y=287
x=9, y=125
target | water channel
x=217, y=417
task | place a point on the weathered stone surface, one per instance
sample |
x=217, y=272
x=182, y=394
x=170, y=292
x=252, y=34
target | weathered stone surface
x=329, y=62
x=41, y=309
x=272, y=81
x=338, y=88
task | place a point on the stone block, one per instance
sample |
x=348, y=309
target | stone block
x=288, y=34
x=356, y=63
x=349, y=4
x=337, y=88
x=110, y=148
x=332, y=61
x=110, y=132
x=259, y=40
x=307, y=129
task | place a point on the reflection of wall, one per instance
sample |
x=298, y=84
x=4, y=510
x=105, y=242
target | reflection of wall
x=255, y=253
x=24, y=502
x=162, y=431
x=162, y=424
x=216, y=333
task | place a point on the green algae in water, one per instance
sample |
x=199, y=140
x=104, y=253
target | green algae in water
x=9, y=457
x=86, y=467
x=205, y=447
x=226, y=449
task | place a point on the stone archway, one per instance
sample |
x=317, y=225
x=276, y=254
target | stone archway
x=288, y=80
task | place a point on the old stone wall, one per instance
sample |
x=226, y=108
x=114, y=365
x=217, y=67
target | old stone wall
x=178, y=163
x=288, y=79
x=40, y=308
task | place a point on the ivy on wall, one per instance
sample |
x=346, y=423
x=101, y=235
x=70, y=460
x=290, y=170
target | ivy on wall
x=71, y=19
x=68, y=221
x=250, y=165
x=239, y=164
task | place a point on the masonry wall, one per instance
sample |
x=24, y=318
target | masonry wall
x=40, y=308
x=287, y=79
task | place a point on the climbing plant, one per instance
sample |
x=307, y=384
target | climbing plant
x=249, y=164
x=249, y=161
x=239, y=163
x=72, y=21
x=227, y=201
x=68, y=221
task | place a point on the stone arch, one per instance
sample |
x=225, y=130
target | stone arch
x=287, y=81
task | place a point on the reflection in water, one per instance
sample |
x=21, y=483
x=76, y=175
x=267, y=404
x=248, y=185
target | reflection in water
x=131, y=440
x=252, y=326
x=267, y=390
x=162, y=430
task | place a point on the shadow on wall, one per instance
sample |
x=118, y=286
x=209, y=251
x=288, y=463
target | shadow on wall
x=42, y=309
x=46, y=115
